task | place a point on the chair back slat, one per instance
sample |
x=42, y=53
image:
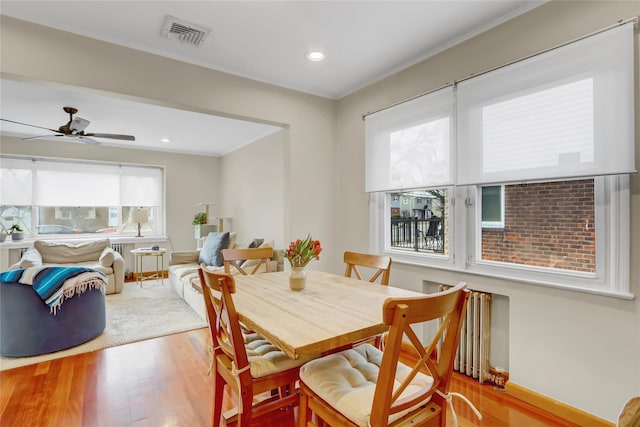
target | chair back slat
x=224, y=325
x=381, y=265
x=435, y=360
x=237, y=258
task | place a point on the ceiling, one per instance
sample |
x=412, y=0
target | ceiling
x=364, y=41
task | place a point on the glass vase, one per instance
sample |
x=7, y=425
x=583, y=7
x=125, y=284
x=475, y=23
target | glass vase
x=297, y=278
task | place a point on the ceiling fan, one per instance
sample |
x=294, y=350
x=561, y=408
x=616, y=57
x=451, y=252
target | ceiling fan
x=74, y=128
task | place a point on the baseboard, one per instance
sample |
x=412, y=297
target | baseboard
x=560, y=409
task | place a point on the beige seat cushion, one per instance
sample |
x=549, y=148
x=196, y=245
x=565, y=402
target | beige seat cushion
x=347, y=381
x=265, y=358
x=180, y=271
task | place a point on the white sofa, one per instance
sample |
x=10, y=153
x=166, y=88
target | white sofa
x=183, y=274
x=96, y=254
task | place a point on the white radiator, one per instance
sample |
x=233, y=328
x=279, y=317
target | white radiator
x=118, y=247
x=472, y=357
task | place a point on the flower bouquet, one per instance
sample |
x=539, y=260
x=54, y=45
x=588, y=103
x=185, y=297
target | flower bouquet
x=299, y=254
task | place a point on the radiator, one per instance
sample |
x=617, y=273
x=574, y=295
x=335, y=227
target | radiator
x=472, y=357
x=118, y=247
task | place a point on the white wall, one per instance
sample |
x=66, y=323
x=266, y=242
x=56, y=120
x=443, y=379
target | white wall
x=252, y=183
x=579, y=349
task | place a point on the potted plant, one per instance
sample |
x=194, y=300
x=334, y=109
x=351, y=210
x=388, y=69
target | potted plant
x=199, y=219
x=17, y=233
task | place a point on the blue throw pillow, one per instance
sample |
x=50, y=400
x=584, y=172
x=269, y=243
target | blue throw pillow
x=210, y=252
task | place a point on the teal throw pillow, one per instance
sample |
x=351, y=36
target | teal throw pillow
x=210, y=252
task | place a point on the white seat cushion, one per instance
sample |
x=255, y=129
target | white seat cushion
x=347, y=381
x=266, y=359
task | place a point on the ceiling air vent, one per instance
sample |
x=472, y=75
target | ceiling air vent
x=184, y=31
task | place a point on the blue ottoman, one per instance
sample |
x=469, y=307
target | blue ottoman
x=27, y=328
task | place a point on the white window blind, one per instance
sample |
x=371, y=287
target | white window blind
x=565, y=113
x=410, y=145
x=68, y=183
x=16, y=182
x=141, y=186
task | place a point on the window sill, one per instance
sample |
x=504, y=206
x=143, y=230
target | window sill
x=27, y=243
x=448, y=266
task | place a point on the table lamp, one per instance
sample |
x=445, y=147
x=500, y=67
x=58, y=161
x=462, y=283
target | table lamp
x=139, y=216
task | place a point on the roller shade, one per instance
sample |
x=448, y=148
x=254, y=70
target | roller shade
x=67, y=183
x=16, y=181
x=565, y=113
x=410, y=145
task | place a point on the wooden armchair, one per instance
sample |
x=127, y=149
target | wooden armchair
x=247, y=363
x=381, y=265
x=249, y=259
x=365, y=386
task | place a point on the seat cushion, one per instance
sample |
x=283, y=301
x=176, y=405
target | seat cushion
x=180, y=271
x=266, y=359
x=347, y=381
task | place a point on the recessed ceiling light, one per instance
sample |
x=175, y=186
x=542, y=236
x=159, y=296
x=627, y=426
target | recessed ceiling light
x=165, y=140
x=315, y=55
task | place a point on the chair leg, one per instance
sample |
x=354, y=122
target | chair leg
x=303, y=410
x=246, y=398
x=218, y=395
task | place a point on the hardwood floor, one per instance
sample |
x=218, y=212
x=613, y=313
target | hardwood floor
x=164, y=382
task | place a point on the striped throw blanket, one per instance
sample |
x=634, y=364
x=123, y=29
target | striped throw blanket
x=54, y=284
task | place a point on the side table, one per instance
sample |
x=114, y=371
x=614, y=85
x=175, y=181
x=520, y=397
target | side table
x=139, y=254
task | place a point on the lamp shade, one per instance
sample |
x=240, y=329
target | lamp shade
x=139, y=216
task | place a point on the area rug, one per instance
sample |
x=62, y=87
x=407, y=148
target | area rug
x=135, y=314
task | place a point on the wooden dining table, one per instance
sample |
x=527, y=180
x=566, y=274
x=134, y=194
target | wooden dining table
x=331, y=312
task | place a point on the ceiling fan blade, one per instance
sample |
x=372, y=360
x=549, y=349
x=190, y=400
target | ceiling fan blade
x=27, y=124
x=88, y=140
x=112, y=136
x=42, y=136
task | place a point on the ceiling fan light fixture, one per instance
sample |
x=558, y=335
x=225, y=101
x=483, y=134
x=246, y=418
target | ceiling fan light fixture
x=165, y=140
x=79, y=124
x=315, y=55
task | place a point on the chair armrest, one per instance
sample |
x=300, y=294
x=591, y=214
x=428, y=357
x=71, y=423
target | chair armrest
x=118, y=264
x=184, y=257
x=31, y=258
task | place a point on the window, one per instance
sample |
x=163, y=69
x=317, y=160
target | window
x=532, y=160
x=549, y=225
x=420, y=225
x=492, y=206
x=56, y=197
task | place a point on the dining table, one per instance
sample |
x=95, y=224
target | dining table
x=331, y=312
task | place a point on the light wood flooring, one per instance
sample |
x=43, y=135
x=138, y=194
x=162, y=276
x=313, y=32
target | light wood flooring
x=164, y=382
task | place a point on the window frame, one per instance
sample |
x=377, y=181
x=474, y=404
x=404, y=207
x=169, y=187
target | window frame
x=158, y=227
x=612, y=213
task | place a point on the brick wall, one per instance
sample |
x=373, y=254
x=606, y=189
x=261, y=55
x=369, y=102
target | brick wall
x=547, y=225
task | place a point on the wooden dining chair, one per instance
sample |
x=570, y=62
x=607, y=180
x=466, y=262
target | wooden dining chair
x=247, y=363
x=247, y=260
x=381, y=265
x=365, y=386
